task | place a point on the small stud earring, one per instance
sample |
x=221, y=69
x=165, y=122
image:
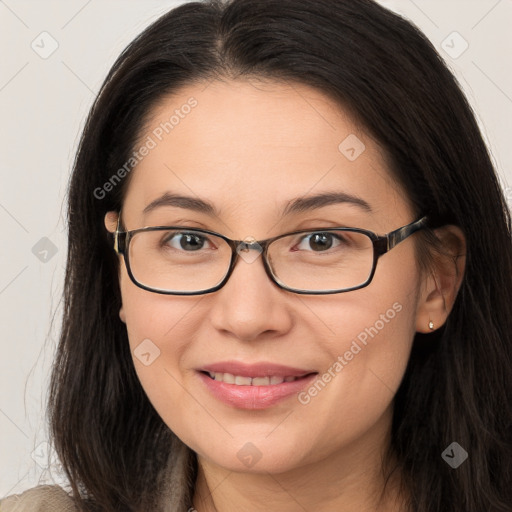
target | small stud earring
x=431, y=325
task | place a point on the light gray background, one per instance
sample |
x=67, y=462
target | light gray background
x=43, y=103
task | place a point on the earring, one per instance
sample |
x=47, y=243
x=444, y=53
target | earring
x=431, y=325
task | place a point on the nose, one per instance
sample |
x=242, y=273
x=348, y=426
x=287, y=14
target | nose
x=250, y=305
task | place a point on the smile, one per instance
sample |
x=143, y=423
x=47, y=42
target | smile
x=255, y=386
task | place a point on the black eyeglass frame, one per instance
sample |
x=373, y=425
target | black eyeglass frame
x=381, y=245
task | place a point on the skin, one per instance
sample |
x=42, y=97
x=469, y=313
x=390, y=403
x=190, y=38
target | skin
x=249, y=147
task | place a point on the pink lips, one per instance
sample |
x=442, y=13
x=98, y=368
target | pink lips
x=254, y=396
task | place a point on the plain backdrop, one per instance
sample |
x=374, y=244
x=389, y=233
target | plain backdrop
x=55, y=54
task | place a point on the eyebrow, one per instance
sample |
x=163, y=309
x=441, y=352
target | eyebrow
x=294, y=206
x=187, y=202
x=303, y=204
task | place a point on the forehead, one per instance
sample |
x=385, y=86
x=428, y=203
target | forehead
x=256, y=143
x=257, y=114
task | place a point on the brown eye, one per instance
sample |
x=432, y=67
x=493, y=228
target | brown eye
x=320, y=242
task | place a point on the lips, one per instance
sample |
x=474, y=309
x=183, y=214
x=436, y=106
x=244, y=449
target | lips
x=255, y=386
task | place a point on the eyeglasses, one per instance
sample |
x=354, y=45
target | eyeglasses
x=177, y=260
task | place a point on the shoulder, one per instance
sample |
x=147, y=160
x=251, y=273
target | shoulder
x=44, y=498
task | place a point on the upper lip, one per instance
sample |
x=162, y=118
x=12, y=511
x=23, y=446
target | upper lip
x=261, y=369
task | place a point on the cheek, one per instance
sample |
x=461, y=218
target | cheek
x=366, y=356
x=160, y=328
x=373, y=352
x=154, y=316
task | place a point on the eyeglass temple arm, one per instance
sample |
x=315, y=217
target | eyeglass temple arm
x=395, y=237
x=117, y=240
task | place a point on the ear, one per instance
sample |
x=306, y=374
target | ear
x=111, y=225
x=442, y=281
x=111, y=221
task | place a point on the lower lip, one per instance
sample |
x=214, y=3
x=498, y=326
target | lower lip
x=254, y=397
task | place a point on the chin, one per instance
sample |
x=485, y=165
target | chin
x=253, y=454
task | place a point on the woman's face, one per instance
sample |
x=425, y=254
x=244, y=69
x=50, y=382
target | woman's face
x=250, y=149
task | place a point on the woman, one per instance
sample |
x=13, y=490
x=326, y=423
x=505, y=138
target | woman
x=289, y=275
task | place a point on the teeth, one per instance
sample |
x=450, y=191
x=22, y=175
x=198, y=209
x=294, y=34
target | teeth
x=260, y=381
x=243, y=381
x=229, y=378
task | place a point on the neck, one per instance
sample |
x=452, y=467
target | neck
x=350, y=479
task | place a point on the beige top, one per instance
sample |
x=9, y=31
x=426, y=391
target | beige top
x=44, y=498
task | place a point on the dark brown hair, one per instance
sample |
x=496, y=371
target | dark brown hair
x=457, y=387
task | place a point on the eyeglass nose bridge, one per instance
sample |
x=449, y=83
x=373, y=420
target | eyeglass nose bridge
x=249, y=243
x=241, y=249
